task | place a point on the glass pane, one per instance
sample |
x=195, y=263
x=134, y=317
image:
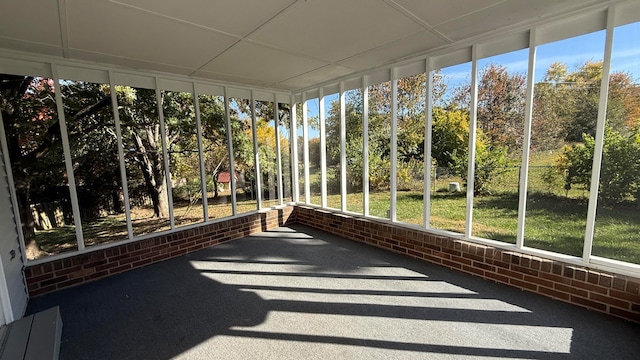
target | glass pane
x=146, y=178
x=184, y=157
x=216, y=155
x=617, y=218
x=242, y=137
x=332, y=128
x=266, y=133
x=37, y=161
x=313, y=131
x=284, y=122
x=96, y=169
x=449, y=147
x=354, y=149
x=566, y=96
x=300, y=150
x=500, y=131
x=410, y=163
x=380, y=149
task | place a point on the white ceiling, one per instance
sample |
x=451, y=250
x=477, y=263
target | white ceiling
x=283, y=44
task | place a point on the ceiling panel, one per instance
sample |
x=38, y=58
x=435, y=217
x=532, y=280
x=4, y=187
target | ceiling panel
x=434, y=13
x=139, y=35
x=36, y=23
x=413, y=44
x=335, y=29
x=229, y=78
x=128, y=62
x=258, y=62
x=504, y=14
x=316, y=76
x=221, y=15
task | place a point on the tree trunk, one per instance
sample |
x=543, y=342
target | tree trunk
x=32, y=249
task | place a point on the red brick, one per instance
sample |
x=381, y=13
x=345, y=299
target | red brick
x=571, y=290
x=625, y=296
x=590, y=287
x=451, y=264
x=497, y=277
x=588, y=303
x=523, y=284
x=524, y=270
x=633, y=287
x=510, y=273
x=472, y=270
x=619, y=283
x=628, y=315
x=554, y=293
x=606, y=280
x=610, y=301
x=539, y=281
x=580, y=274
x=555, y=278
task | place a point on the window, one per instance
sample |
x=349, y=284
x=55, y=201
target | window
x=354, y=149
x=450, y=144
x=332, y=150
x=244, y=165
x=93, y=144
x=566, y=97
x=380, y=149
x=617, y=221
x=410, y=146
x=37, y=159
x=499, y=136
x=184, y=157
x=267, y=151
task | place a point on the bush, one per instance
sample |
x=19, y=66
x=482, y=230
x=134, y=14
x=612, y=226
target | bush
x=620, y=165
x=490, y=162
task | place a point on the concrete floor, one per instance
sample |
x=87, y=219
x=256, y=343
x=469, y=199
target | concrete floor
x=298, y=293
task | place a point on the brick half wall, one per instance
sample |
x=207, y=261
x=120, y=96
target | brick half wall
x=90, y=266
x=613, y=294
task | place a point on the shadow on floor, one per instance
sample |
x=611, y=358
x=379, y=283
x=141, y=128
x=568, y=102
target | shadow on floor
x=299, y=293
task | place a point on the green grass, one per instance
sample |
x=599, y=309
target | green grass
x=555, y=219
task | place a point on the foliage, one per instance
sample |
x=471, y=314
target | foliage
x=490, y=162
x=620, y=170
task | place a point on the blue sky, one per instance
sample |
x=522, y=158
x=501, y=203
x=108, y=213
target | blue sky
x=573, y=52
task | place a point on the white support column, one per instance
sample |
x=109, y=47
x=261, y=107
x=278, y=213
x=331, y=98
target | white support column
x=394, y=144
x=305, y=139
x=123, y=166
x=232, y=171
x=276, y=124
x=365, y=146
x=526, y=143
x=323, y=149
x=599, y=146
x=473, y=120
x=427, y=145
x=293, y=136
x=73, y=194
x=203, y=173
x=256, y=158
x=165, y=154
x=343, y=150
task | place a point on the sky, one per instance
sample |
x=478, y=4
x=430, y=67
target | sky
x=573, y=52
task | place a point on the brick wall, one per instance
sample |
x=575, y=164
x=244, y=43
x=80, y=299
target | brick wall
x=609, y=293
x=63, y=273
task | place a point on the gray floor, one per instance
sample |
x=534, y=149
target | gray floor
x=297, y=293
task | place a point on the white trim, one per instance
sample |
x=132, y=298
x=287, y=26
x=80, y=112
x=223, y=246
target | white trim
x=68, y=162
x=203, y=175
x=526, y=143
x=256, y=157
x=343, y=149
x=393, y=174
x=305, y=139
x=276, y=125
x=232, y=170
x=323, y=148
x=428, y=138
x=165, y=155
x=365, y=145
x=293, y=136
x=123, y=167
x=599, y=145
x=473, y=123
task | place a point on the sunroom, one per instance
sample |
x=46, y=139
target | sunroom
x=500, y=138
